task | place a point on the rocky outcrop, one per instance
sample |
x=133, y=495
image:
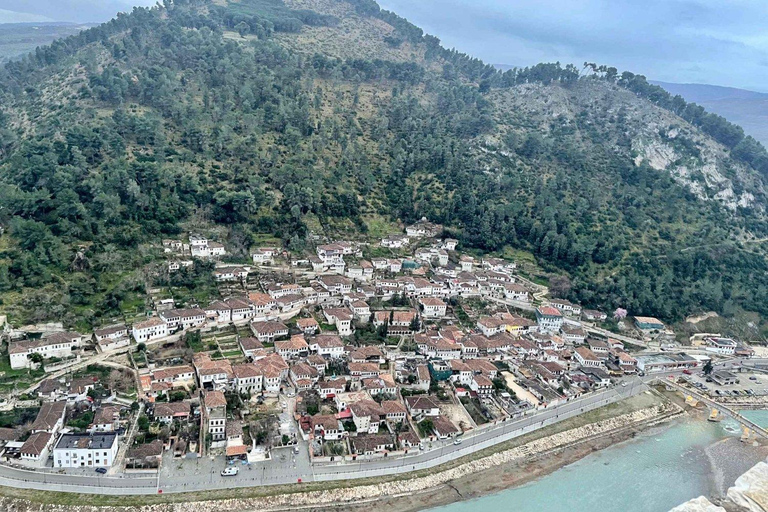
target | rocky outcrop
x=750, y=492
x=700, y=504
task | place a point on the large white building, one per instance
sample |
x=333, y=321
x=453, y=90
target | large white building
x=56, y=345
x=83, y=450
x=201, y=247
x=432, y=307
x=150, y=329
x=183, y=318
x=721, y=346
x=549, y=319
x=328, y=345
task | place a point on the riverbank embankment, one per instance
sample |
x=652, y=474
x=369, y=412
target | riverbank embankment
x=501, y=466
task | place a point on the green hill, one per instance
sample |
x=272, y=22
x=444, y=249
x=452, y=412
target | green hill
x=264, y=118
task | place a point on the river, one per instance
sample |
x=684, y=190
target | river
x=653, y=472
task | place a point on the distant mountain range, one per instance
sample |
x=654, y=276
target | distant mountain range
x=17, y=39
x=8, y=16
x=748, y=109
x=73, y=11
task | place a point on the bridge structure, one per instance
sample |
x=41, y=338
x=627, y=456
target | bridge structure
x=720, y=408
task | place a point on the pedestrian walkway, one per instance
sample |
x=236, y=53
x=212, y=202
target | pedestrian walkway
x=722, y=408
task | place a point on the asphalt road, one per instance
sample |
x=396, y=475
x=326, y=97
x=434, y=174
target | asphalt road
x=188, y=475
x=286, y=467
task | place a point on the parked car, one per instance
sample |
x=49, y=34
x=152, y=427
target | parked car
x=688, y=372
x=457, y=441
x=752, y=377
x=102, y=471
x=230, y=471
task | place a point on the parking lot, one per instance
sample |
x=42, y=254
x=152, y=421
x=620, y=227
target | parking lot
x=747, y=384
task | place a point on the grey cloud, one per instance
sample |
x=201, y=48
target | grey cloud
x=76, y=11
x=672, y=40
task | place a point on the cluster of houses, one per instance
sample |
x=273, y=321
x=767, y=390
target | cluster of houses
x=48, y=437
x=376, y=398
x=65, y=345
x=198, y=247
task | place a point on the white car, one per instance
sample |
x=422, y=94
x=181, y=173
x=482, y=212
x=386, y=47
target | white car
x=230, y=471
x=457, y=441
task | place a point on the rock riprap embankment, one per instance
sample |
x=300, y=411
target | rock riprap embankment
x=361, y=493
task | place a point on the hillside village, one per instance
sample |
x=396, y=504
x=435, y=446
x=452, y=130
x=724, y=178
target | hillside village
x=353, y=352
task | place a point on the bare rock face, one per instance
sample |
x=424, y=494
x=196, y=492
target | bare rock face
x=700, y=504
x=750, y=492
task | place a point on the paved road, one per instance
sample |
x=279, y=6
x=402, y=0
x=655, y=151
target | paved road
x=723, y=408
x=620, y=337
x=286, y=467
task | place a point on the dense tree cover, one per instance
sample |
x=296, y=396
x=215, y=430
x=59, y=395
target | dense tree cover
x=170, y=122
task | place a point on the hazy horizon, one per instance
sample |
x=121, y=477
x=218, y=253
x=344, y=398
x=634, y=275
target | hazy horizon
x=676, y=41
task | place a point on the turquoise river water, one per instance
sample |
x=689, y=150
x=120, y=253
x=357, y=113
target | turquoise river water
x=653, y=472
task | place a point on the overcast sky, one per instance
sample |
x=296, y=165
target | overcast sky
x=721, y=42
x=76, y=11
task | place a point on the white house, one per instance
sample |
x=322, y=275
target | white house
x=367, y=415
x=36, y=447
x=327, y=427
x=267, y=332
x=721, y=346
x=341, y=318
x=264, y=255
x=336, y=284
x=150, y=329
x=550, y=319
x=432, y=307
x=183, y=318
x=203, y=248
x=327, y=345
x=586, y=357
x=46, y=347
x=216, y=413
x=85, y=451
x=395, y=241
x=567, y=307
x=422, y=405
x=112, y=332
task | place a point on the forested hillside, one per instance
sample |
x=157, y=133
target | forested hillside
x=262, y=118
